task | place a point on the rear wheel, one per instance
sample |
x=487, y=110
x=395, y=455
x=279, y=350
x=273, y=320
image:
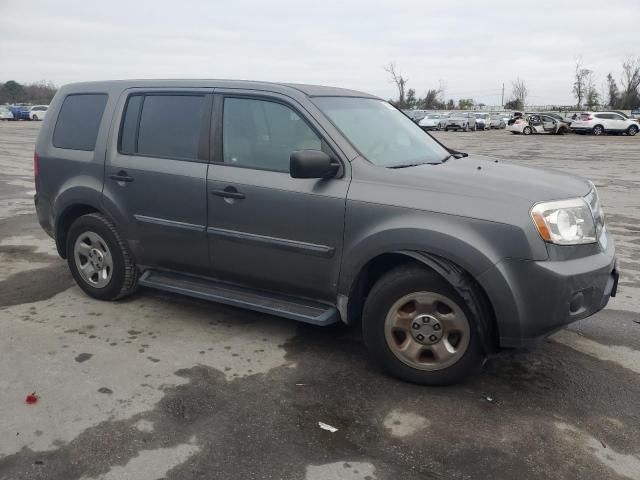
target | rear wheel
x=527, y=130
x=35, y=117
x=598, y=130
x=418, y=329
x=99, y=259
x=632, y=130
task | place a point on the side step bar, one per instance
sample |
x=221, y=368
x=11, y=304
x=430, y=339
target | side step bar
x=283, y=306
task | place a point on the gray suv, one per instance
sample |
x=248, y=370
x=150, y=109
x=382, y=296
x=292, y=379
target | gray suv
x=320, y=205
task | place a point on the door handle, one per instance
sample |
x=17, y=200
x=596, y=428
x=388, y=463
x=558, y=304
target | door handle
x=229, y=192
x=121, y=176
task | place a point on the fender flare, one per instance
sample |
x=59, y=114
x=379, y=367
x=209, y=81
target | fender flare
x=469, y=289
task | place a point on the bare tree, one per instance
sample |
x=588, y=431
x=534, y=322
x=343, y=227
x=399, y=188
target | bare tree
x=519, y=92
x=400, y=81
x=580, y=81
x=630, y=82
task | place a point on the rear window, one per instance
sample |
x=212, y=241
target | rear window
x=165, y=126
x=79, y=121
x=585, y=116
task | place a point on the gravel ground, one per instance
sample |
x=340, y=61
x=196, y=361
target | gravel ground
x=162, y=386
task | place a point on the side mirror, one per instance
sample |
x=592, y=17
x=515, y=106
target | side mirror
x=312, y=164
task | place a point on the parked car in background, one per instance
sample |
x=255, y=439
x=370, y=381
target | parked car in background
x=604, y=122
x=483, y=121
x=439, y=256
x=21, y=112
x=635, y=113
x=499, y=120
x=461, y=121
x=38, y=112
x=5, y=114
x=538, y=123
x=433, y=121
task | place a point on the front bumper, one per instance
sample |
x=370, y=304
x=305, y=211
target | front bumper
x=533, y=299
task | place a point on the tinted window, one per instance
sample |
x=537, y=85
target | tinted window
x=170, y=126
x=262, y=134
x=79, y=121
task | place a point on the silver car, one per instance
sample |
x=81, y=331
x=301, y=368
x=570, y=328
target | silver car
x=461, y=121
x=483, y=121
x=499, y=120
x=433, y=121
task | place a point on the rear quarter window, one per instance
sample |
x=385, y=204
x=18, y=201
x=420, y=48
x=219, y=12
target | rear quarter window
x=79, y=121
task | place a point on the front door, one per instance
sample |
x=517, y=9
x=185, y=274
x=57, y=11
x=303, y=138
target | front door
x=266, y=229
x=155, y=178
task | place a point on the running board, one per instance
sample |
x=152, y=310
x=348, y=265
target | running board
x=282, y=306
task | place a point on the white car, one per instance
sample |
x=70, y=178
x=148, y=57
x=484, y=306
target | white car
x=433, y=121
x=38, y=112
x=537, y=123
x=5, y=114
x=604, y=122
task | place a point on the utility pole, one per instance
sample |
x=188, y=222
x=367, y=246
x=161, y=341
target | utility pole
x=502, y=95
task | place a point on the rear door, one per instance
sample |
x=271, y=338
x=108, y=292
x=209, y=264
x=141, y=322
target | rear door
x=156, y=170
x=549, y=124
x=266, y=229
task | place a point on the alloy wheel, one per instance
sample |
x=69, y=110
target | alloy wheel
x=93, y=259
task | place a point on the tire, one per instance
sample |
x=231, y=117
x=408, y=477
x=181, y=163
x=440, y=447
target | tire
x=446, y=129
x=116, y=275
x=466, y=127
x=598, y=130
x=561, y=131
x=527, y=131
x=35, y=117
x=632, y=130
x=381, y=338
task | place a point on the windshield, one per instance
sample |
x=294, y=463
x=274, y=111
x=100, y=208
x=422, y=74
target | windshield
x=458, y=115
x=381, y=133
x=482, y=115
x=433, y=116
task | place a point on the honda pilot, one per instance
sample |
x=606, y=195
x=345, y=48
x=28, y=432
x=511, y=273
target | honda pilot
x=319, y=205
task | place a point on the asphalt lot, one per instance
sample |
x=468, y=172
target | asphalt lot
x=161, y=386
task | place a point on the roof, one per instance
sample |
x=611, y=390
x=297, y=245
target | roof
x=291, y=89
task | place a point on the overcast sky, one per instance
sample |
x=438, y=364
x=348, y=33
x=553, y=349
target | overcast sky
x=472, y=47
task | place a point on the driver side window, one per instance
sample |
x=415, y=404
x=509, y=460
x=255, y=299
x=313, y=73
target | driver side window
x=261, y=134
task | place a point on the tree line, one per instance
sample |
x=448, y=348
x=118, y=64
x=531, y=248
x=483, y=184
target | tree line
x=35, y=93
x=434, y=97
x=624, y=97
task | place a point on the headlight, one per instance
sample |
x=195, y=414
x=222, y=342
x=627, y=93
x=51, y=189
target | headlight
x=565, y=222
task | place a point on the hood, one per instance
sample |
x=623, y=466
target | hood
x=485, y=177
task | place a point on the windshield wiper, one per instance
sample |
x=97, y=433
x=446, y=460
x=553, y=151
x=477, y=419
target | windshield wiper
x=406, y=165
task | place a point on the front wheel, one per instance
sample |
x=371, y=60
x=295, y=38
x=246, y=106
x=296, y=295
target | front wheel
x=99, y=258
x=527, y=130
x=598, y=130
x=418, y=329
x=632, y=130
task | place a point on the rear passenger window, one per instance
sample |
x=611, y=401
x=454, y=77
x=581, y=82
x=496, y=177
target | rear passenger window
x=165, y=126
x=261, y=134
x=79, y=121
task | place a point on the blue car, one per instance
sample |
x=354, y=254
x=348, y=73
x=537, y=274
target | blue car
x=20, y=112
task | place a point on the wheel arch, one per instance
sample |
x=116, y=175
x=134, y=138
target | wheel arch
x=464, y=283
x=64, y=221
